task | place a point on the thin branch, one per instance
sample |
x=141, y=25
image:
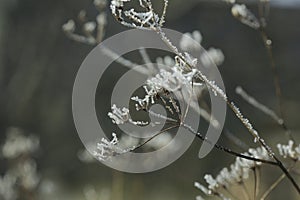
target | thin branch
x=245, y=190
x=232, y=106
x=263, y=10
x=234, y=139
x=163, y=15
x=256, y=174
x=272, y=187
x=230, y=193
x=117, y=12
x=229, y=151
x=252, y=101
x=147, y=60
x=154, y=136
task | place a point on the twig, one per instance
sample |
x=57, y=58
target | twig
x=268, y=46
x=272, y=187
x=232, y=106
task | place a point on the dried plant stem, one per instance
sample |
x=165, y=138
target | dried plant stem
x=154, y=136
x=256, y=174
x=279, y=97
x=163, y=16
x=235, y=140
x=245, y=191
x=267, y=43
x=272, y=187
x=268, y=46
x=229, y=151
x=232, y=106
x=230, y=193
x=147, y=61
x=278, y=91
x=200, y=136
x=252, y=101
x=227, y=133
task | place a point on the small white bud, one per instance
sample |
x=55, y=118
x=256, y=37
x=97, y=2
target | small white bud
x=89, y=27
x=242, y=13
x=69, y=27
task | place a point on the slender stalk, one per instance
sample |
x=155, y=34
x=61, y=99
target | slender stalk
x=229, y=151
x=276, y=79
x=217, y=146
x=256, y=174
x=231, y=105
x=252, y=101
x=230, y=193
x=246, y=189
x=154, y=136
x=272, y=187
x=155, y=26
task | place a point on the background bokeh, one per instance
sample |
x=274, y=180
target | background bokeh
x=38, y=65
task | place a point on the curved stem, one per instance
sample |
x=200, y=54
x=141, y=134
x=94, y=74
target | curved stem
x=276, y=80
x=154, y=136
x=231, y=105
x=272, y=187
x=264, y=196
x=229, y=151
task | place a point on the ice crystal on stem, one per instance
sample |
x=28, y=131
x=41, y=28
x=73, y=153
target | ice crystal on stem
x=138, y=19
x=246, y=122
x=289, y=151
x=237, y=173
x=171, y=81
x=119, y=116
x=106, y=149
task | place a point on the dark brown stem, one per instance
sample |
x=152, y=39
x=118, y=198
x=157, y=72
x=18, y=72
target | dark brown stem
x=276, y=80
x=229, y=151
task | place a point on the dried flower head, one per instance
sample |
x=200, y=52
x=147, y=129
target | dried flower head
x=242, y=13
x=237, y=173
x=107, y=149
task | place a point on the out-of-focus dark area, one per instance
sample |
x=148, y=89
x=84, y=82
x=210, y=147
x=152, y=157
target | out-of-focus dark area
x=38, y=65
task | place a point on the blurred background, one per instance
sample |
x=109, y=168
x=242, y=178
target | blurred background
x=38, y=65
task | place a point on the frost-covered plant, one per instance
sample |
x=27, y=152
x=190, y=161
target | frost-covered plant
x=225, y=184
x=21, y=178
x=183, y=80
